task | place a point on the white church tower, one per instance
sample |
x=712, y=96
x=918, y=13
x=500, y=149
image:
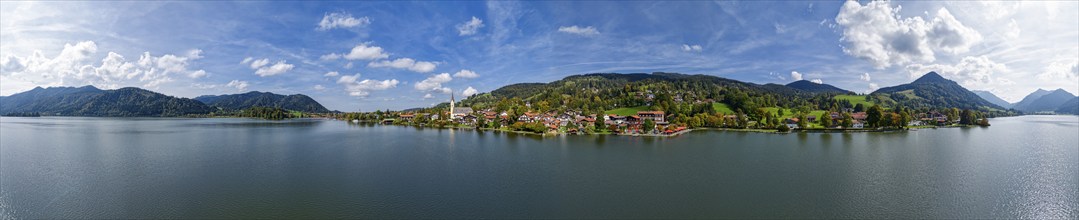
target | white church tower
x=451, y=107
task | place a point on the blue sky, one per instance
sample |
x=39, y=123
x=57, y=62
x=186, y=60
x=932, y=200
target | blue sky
x=395, y=55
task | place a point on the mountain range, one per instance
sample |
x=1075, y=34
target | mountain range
x=136, y=102
x=1044, y=101
x=603, y=91
x=91, y=101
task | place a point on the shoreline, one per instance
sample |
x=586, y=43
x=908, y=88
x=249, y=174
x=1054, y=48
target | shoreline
x=765, y=131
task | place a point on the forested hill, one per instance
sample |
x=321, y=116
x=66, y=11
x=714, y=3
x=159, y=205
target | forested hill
x=91, y=101
x=672, y=92
x=297, y=102
x=933, y=91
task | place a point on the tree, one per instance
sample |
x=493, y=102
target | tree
x=783, y=128
x=967, y=117
x=848, y=121
x=649, y=125
x=874, y=116
x=803, y=121
x=600, y=122
x=859, y=108
x=826, y=120
x=779, y=112
x=904, y=118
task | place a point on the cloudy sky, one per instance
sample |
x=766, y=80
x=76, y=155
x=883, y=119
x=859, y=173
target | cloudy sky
x=396, y=55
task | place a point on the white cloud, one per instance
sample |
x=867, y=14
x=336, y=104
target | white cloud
x=341, y=20
x=434, y=83
x=466, y=74
x=469, y=27
x=817, y=81
x=865, y=77
x=691, y=48
x=332, y=56
x=73, y=67
x=777, y=75
x=1013, y=30
x=272, y=70
x=469, y=91
x=428, y=96
x=255, y=64
x=197, y=74
x=363, y=88
x=194, y=54
x=239, y=85
x=584, y=31
x=877, y=33
x=1061, y=70
x=359, y=52
x=364, y=52
x=796, y=76
x=406, y=63
x=319, y=87
x=872, y=87
x=331, y=74
x=971, y=72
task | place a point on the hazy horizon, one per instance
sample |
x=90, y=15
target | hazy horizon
x=398, y=55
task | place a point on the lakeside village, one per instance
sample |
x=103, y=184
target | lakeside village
x=656, y=123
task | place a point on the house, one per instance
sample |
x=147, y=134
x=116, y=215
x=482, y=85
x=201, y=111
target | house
x=407, y=117
x=617, y=119
x=467, y=119
x=490, y=115
x=528, y=117
x=811, y=118
x=656, y=116
x=861, y=116
x=791, y=123
x=858, y=124
x=460, y=112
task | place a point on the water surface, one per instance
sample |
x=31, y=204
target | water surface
x=63, y=167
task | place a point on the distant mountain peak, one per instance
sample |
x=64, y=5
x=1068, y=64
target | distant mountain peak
x=931, y=77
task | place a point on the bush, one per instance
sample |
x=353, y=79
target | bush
x=783, y=128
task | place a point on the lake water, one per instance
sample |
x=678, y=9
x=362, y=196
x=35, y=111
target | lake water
x=56, y=167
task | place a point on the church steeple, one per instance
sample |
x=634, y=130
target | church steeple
x=451, y=106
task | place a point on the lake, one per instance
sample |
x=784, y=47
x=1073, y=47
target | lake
x=65, y=167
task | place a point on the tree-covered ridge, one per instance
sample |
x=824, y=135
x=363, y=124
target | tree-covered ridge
x=806, y=85
x=235, y=102
x=266, y=113
x=91, y=101
x=932, y=91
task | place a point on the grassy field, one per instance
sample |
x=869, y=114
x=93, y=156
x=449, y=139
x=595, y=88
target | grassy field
x=855, y=99
x=626, y=111
x=722, y=108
